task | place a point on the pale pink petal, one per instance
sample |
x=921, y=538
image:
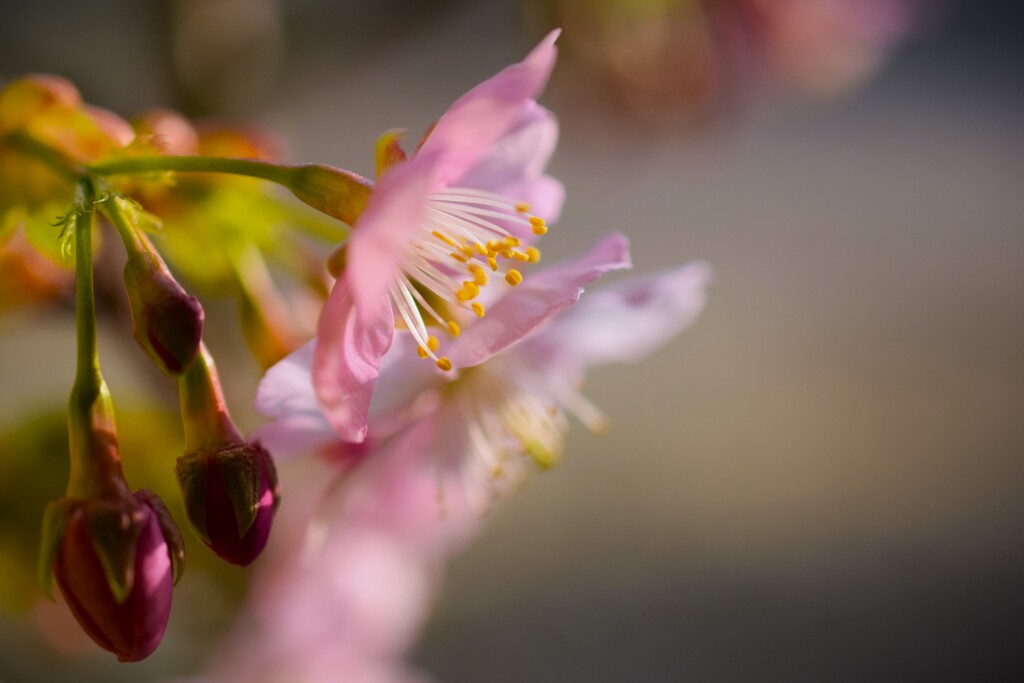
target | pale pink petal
x=347, y=357
x=292, y=436
x=287, y=387
x=629, y=320
x=398, y=490
x=539, y=298
x=488, y=111
x=395, y=211
x=286, y=394
x=521, y=153
x=544, y=194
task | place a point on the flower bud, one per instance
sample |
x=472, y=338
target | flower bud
x=168, y=323
x=230, y=499
x=116, y=559
x=229, y=485
x=337, y=193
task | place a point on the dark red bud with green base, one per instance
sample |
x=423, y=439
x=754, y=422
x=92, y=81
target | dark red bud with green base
x=229, y=485
x=230, y=499
x=115, y=560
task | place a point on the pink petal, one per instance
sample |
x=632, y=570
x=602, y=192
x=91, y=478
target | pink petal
x=539, y=298
x=629, y=320
x=287, y=387
x=488, y=111
x=523, y=152
x=396, y=209
x=347, y=357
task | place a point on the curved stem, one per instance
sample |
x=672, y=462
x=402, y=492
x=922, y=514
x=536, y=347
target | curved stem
x=254, y=168
x=134, y=241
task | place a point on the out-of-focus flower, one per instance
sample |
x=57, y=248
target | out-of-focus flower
x=829, y=46
x=115, y=560
x=434, y=231
x=229, y=485
x=48, y=110
x=26, y=276
x=522, y=367
x=681, y=61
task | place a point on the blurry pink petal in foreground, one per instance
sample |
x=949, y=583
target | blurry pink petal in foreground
x=350, y=601
x=437, y=228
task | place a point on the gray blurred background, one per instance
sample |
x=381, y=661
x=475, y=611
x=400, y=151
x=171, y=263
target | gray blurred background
x=824, y=479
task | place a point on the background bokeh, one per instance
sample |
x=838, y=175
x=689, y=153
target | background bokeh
x=822, y=481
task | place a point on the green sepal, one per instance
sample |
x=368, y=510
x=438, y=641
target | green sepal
x=114, y=529
x=193, y=480
x=389, y=150
x=55, y=521
x=240, y=473
x=172, y=536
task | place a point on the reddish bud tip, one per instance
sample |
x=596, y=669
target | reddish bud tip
x=113, y=565
x=168, y=323
x=230, y=499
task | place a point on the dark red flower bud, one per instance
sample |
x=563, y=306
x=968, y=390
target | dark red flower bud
x=116, y=559
x=168, y=323
x=230, y=499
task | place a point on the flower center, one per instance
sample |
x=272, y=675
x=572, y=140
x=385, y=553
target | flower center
x=465, y=240
x=514, y=414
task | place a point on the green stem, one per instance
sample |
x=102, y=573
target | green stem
x=88, y=376
x=95, y=458
x=204, y=413
x=254, y=168
x=334, y=191
x=134, y=241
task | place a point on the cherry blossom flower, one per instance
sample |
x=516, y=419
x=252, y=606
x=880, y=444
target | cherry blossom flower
x=437, y=229
x=521, y=369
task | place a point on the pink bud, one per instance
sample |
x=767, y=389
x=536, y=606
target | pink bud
x=115, y=564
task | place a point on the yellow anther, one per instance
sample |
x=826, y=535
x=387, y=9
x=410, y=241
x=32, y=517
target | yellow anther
x=463, y=295
x=533, y=253
x=513, y=277
x=520, y=256
x=513, y=241
x=444, y=363
x=444, y=238
x=494, y=246
x=421, y=352
x=432, y=343
x=481, y=249
x=478, y=308
x=479, y=274
x=522, y=207
x=459, y=257
x=506, y=253
x=492, y=262
x=539, y=227
x=471, y=288
x=454, y=328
